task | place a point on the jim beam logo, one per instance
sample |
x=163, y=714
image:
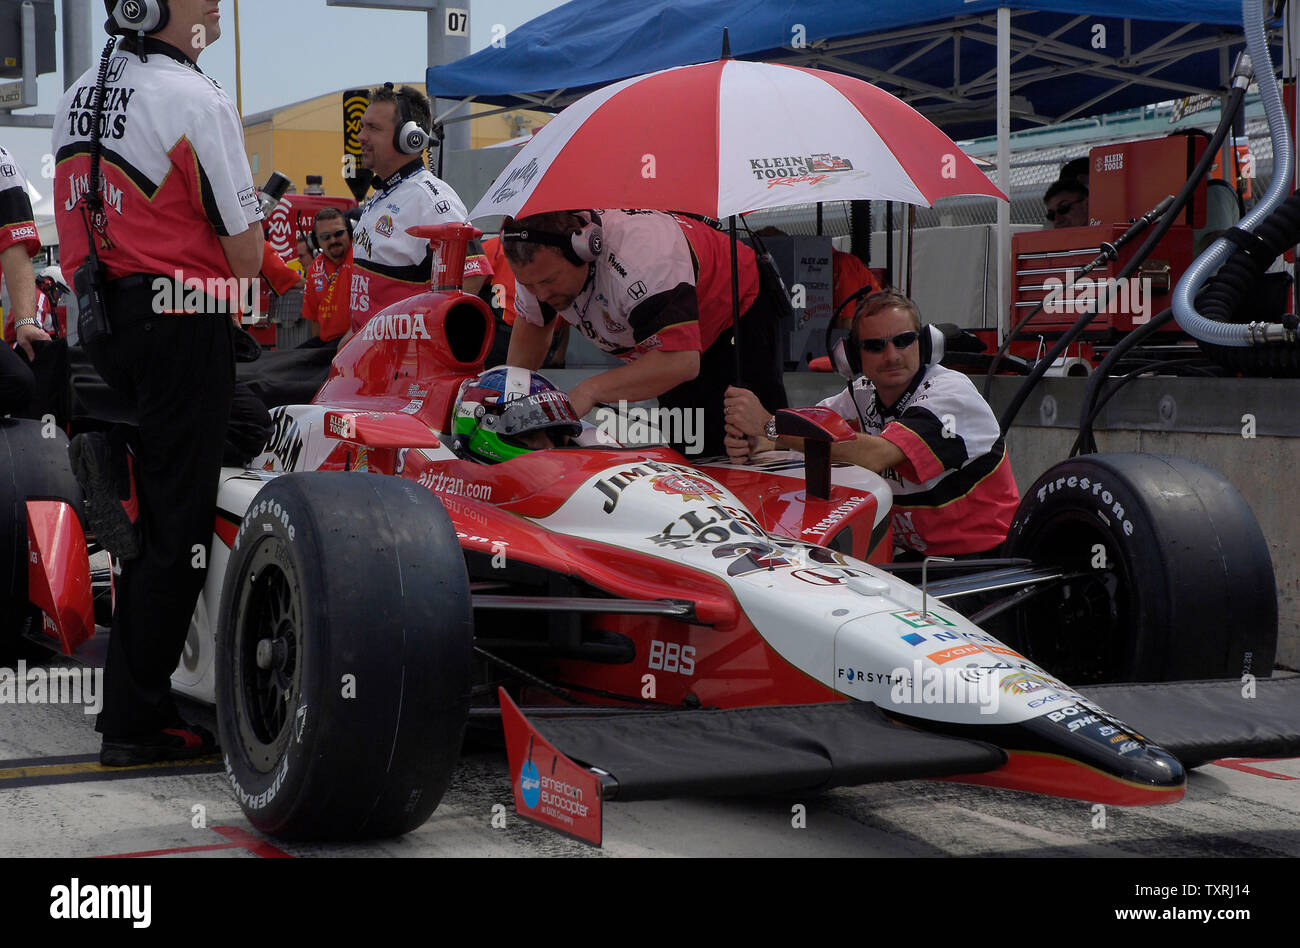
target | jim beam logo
x=797, y=169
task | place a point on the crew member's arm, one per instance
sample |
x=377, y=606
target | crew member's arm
x=529, y=344
x=244, y=252
x=653, y=374
x=746, y=418
x=21, y=280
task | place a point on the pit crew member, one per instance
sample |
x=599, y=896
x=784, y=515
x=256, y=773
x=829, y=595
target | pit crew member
x=923, y=427
x=18, y=244
x=389, y=264
x=332, y=235
x=178, y=204
x=655, y=291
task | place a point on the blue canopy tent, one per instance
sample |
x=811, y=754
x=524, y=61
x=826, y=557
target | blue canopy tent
x=973, y=67
x=1067, y=58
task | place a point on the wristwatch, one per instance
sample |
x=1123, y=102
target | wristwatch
x=29, y=321
x=769, y=429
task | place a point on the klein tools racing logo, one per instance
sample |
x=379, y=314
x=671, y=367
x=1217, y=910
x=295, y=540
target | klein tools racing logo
x=797, y=169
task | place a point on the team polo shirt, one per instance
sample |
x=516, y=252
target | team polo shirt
x=660, y=282
x=174, y=177
x=322, y=276
x=17, y=223
x=953, y=492
x=389, y=264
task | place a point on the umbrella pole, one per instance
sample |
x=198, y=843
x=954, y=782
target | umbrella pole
x=735, y=299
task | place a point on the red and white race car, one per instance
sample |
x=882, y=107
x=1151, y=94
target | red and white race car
x=674, y=627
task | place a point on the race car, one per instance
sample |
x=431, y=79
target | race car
x=661, y=627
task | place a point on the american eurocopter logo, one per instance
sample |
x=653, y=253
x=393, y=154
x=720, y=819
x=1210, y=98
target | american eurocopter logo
x=790, y=169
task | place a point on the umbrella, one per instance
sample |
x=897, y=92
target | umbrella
x=730, y=136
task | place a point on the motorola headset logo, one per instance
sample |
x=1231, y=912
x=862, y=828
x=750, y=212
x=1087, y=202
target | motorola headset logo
x=131, y=10
x=597, y=245
x=414, y=139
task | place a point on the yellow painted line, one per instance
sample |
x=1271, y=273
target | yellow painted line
x=90, y=767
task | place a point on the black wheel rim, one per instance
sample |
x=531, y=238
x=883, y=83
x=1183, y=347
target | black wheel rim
x=1081, y=630
x=268, y=648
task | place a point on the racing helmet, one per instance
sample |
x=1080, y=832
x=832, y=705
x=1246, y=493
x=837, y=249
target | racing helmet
x=495, y=409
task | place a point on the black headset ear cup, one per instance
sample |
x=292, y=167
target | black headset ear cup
x=141, y=16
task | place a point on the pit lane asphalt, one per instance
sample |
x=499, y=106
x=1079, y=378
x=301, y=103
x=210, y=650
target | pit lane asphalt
x=78, y=813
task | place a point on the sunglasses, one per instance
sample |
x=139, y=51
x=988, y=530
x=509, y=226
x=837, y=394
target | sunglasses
x=901, y=341
x=337, y=233
x=1062, y=209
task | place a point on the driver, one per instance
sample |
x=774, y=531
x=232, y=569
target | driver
x=507, y=412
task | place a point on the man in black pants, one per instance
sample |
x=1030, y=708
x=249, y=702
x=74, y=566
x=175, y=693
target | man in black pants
x=183, y=212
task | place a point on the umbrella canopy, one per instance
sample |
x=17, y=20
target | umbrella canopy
x=726, y=137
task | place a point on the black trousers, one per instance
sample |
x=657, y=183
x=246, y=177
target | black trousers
x=179, y=372
x=17, y=384
x=760, y=366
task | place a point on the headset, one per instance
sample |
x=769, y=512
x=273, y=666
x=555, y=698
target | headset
x=139, y=16
x=409, y=137
x=847, y=359
x=309, y=233
x=579, y=247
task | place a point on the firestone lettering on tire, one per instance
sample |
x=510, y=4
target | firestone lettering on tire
x=262, y=799
x=277, y=513
x=1088, y=486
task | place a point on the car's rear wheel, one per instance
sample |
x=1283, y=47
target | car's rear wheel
x=1177, y=579
x=343, y=656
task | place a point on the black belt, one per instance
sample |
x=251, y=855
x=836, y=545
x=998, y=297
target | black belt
x=131, y=299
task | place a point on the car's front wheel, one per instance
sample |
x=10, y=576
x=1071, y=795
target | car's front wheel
x=343, y=656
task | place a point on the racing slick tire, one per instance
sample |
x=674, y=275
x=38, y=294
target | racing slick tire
x=34, y=465
x=343, y=656
x=1178, y=580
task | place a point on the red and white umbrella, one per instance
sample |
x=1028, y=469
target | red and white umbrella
x=727, y=137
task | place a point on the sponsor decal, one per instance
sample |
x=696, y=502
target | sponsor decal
x=441, y=483
x=787, y=168
x=9, y=171
x=612, y=487
x=612, y=324
x=724, y=523
x=616, y=266
x=1022, y=683
x=248, y=197
x=637, y=290
x=895, y=677
x=384, y=226
x=530, y=784
x=1098, y=490
x=79, y=185
x=395, y=326
x=26, y=232
x=918, y=621
x=952, y=654
x=399, y=465
x=442, y=207
x=286, y=440
x=835, y=516
x=687, y=486
x=816, y=576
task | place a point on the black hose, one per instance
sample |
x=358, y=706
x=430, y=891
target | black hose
x=1166, y=221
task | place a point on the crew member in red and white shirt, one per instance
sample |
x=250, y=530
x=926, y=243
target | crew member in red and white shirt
x=330, y=230
x=18, y=244
x=388, y=264
x=179, y=209
x=654, y=290
x=924, y=428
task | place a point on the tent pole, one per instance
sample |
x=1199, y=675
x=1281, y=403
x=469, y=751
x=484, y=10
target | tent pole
x=1004, y=169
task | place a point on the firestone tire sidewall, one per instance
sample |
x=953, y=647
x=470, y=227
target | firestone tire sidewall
x=381, y=657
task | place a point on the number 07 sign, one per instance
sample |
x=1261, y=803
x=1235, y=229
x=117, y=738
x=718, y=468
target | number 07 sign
x=457, y=22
